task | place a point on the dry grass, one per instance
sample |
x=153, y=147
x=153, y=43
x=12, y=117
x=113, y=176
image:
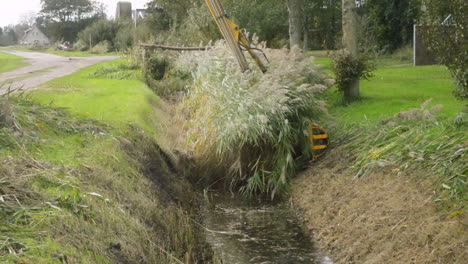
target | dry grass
x=413, y=140
x=380, y=218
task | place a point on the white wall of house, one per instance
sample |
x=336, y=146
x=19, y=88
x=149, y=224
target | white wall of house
x=35, y=35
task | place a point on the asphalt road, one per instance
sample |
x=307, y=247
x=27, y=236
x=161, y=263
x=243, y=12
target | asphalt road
x=43, y=68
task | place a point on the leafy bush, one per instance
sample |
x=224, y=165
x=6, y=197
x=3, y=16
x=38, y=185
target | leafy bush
x=98, y=32
x=101, y=48
x=124, y=37
x=161, y=76
x=390, y=22
x=190, y=22
x=80, y=45
x=250, y=127
x=119, y=35
x=347, y=68
x=36, y=46
x=448, y=40
x=156, y=66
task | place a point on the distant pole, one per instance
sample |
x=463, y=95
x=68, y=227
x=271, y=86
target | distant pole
x=135, y=29
x=90, y=42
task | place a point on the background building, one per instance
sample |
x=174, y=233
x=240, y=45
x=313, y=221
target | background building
x=35, y=36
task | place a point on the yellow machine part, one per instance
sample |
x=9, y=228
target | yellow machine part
x=233, y=36
x=236, y=40
x=319, y=140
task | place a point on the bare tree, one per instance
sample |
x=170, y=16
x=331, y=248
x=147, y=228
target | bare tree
x=296, y=22
x=28, y=18
x=350, y=44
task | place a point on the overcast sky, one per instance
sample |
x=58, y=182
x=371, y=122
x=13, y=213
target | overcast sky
x=12, y=10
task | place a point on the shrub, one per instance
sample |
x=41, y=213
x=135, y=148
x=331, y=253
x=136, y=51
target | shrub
x=390, y=22
x=124, y=38
x=448, y=40
x=250, y=127
x=162, y=77
x=80, y=46
x=36, y=46
x=347, y=68
x=102, y=30
x=156, y=66
x=101, y=48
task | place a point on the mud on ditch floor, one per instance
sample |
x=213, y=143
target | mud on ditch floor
x=381, y=218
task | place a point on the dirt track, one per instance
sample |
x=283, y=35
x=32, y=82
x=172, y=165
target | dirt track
x=44, y=67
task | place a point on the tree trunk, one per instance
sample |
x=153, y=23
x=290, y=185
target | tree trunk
x=296, y=22
x=349, y=27
x=352, y=92
x=350, y=44
x=305, y=44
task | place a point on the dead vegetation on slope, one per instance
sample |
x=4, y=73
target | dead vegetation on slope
x=380, y=218
x=393, y=192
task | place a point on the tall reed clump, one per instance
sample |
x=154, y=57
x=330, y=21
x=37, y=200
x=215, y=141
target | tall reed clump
x=250, y=129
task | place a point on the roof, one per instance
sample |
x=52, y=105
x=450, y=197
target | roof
x=34, y=26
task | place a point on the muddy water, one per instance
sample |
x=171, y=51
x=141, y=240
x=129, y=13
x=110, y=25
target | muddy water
x=263, y=232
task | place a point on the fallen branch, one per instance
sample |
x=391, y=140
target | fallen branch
x=152, y=47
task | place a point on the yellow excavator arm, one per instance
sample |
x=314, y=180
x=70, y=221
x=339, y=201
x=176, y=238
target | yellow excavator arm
x=236, y=40
x=233, y=35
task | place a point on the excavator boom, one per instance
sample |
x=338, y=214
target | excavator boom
x=236, y=40
x=233, y=36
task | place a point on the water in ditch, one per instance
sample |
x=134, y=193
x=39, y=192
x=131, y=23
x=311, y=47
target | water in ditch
x=242, y=231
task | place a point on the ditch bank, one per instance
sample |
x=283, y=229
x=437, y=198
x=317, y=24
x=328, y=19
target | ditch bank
x=75, y=190
x=385, y=217
x=225, y=127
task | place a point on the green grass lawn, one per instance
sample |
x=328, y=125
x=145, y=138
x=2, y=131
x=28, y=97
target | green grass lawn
x=80, y=53
x=116, y=102
x=393, y=90
x=10, y=62
x=396, y=86
x=67, y=53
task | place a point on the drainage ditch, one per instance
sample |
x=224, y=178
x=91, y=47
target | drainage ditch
x=251, y=231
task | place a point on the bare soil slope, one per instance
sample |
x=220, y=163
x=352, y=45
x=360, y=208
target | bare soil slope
x=381, y=218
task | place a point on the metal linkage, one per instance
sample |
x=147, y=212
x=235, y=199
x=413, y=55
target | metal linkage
x=233, y=36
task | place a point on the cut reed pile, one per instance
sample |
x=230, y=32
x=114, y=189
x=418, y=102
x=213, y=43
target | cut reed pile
x=393, y=192
x=250, y=130
x=414, y=140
